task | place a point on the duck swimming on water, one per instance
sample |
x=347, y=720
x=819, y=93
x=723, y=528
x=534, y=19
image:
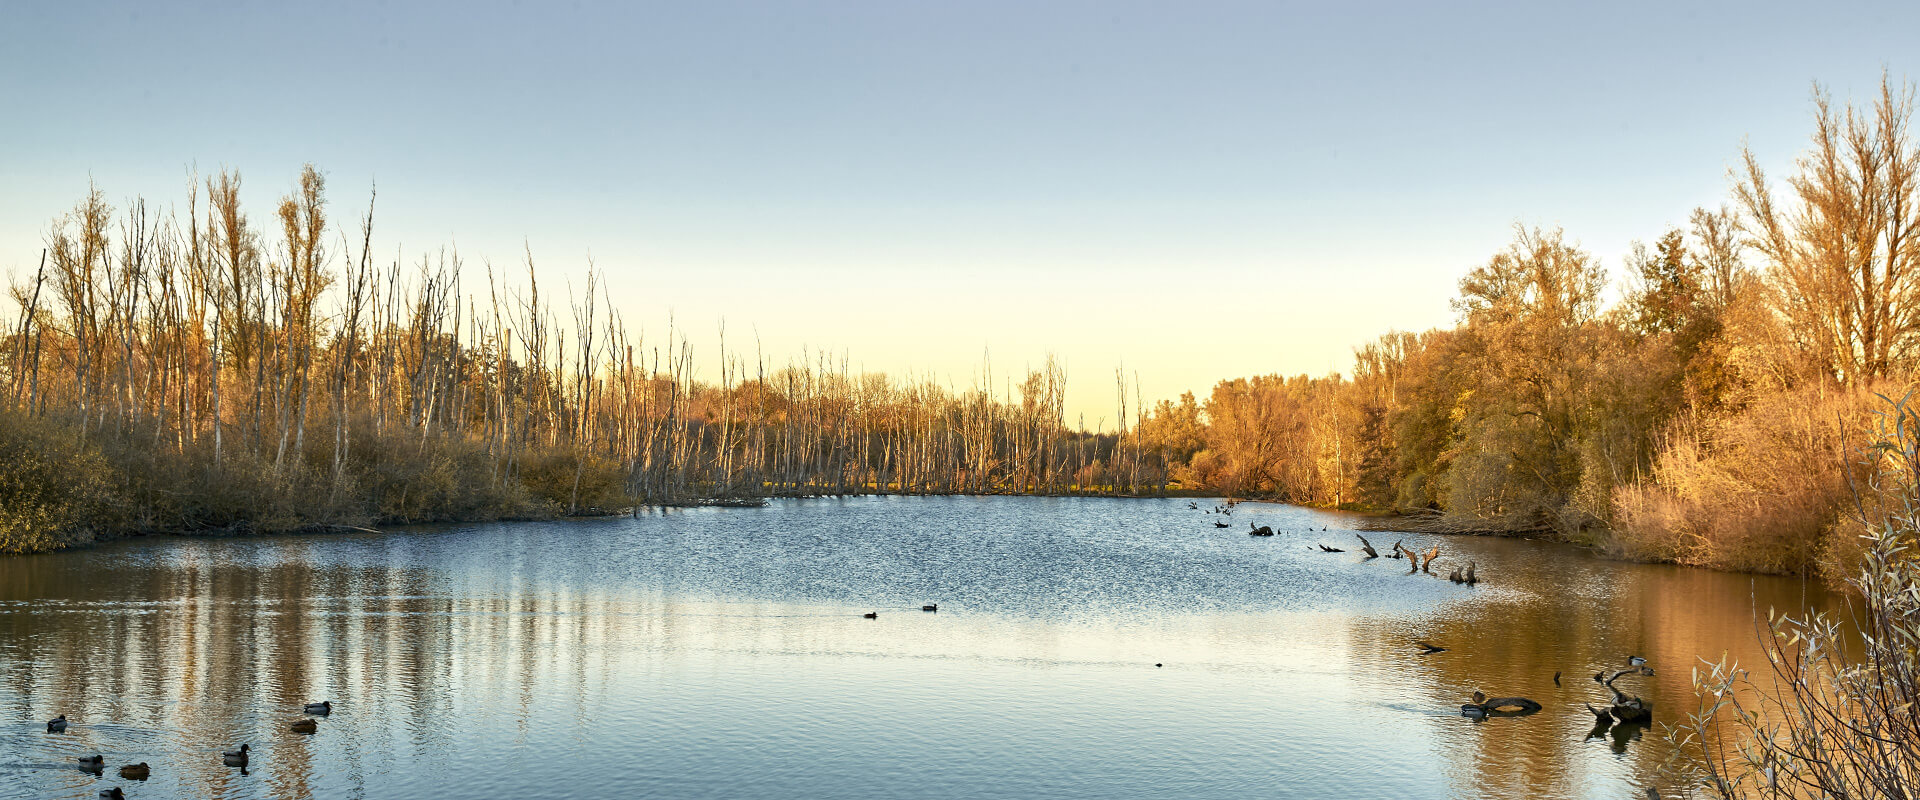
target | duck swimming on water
x=135, y=772
x=871, y=615
x=236, y=758
x=57, y=724
x=95, y=761
x=306, y=726
x=321, y=708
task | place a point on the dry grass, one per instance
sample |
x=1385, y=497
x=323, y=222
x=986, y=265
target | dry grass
x=1828, y=718
x=1760, y=491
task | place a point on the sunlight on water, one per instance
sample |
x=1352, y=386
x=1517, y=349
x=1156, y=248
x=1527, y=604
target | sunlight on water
x=722, y=653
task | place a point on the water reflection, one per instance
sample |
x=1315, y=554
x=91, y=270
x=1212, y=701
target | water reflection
x=721, y=653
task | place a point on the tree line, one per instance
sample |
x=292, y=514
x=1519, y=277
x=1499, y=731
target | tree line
x=195, y=370
x=1700, y=417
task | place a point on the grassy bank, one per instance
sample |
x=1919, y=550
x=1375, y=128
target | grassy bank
x=59, y=488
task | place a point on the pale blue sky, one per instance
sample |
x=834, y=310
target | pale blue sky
x=1203, y=190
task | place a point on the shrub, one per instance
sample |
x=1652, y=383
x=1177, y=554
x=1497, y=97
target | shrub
x=53, y=488
x=1759, y=491
x=1831, y=723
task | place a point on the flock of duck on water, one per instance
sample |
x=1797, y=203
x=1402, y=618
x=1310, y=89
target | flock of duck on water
x=1622, y=708
x=1416, y=561
x=97, y=763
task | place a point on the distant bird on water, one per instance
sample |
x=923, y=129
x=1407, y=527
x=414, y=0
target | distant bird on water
x=94, y=761
x=871, y=615
x=1636, y=661
x=930, y=607
x=1428, y=649
x=321, y=708
x=136, y=772
x=57, y=724
x=236, y=758
x=306, y=726
x=113, y=794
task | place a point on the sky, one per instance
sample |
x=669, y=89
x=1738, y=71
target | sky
x=1190, y=191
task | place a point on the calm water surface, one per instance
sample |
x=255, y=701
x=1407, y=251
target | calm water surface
x=721, y=653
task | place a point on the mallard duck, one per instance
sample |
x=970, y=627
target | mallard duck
x=135, y=772
x=94, y=760
x=1479, y=699
x=237, y=758
x=306, y=726
x=113, y=794
x=321, y=708
x=57, y=724
x=1636, y=661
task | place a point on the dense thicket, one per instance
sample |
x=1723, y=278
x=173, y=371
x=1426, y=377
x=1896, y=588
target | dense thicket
x=1701, y=417
x=193, y=371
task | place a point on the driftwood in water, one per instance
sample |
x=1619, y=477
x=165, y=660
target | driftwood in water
x=1367, y=547
x=1631, y=709
x=1396, y=550
x=1326, y=549
x=1413, y=562
x=1470, y=579
x=1499, y=706
x=1625, y=708
x=1428, y=558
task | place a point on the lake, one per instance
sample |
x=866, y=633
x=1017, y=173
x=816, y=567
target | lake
x=722, y=653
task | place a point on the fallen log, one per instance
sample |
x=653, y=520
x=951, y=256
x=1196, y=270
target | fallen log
x=1499, y=707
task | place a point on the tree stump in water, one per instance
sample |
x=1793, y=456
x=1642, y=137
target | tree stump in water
x=1625, y=709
